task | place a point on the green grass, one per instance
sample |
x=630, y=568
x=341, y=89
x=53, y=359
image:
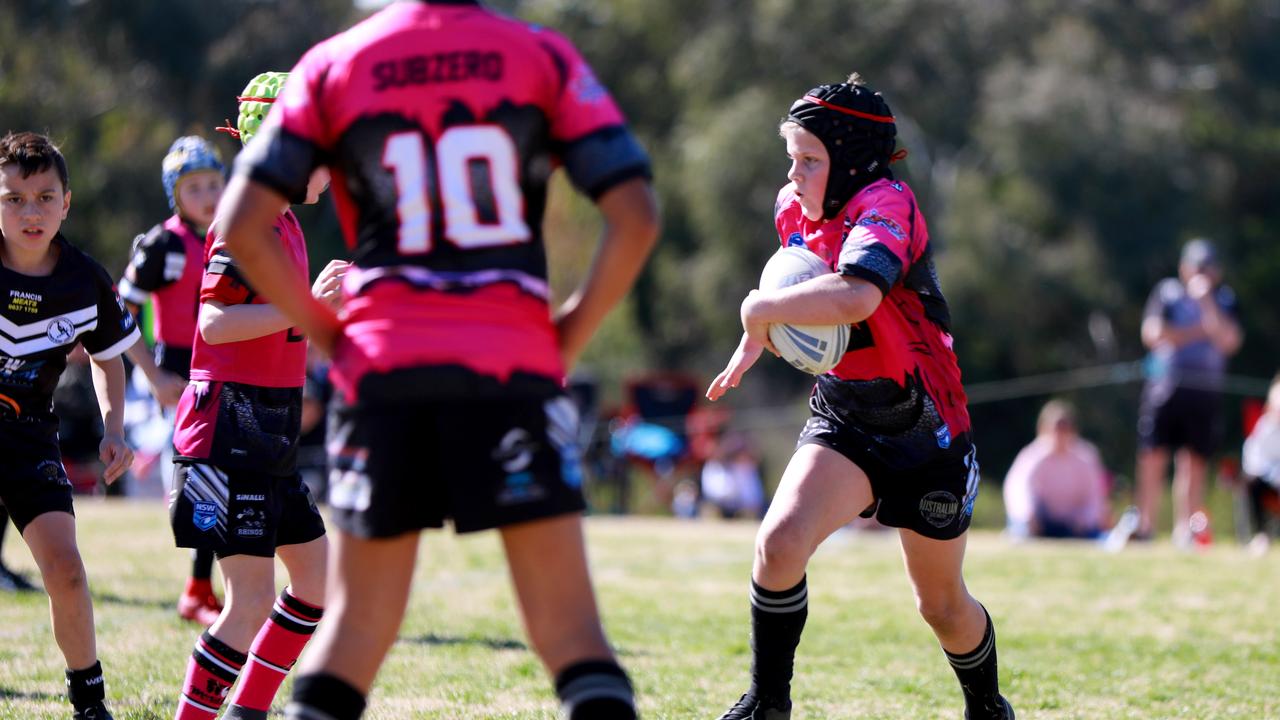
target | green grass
x=1149, y=633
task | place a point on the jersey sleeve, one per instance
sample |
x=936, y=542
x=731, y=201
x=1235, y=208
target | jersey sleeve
x=294, y=139
x=116, y=330
x=157, y=260
x=222, y=281
x=878, y=246
x=595, y=145
x=1158, y=302
x=1228, y=302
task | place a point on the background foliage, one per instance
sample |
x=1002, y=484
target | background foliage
x=1062, y=153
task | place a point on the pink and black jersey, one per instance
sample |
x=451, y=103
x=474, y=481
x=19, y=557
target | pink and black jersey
x=442, y=123
x=166, y=267
x=881, y=237
x=276, y=361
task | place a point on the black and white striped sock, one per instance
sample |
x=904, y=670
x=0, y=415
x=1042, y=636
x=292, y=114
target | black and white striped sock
x=320, y=696
x=595, y=690
x=777, y=619
x=979, y=680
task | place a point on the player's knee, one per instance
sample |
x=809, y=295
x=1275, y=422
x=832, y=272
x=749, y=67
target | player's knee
x=783, y=545
x=250, y=603
x=64, y=571
x=941, y=611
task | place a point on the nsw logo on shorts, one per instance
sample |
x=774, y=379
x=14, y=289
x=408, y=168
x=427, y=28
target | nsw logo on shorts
x=943, y=434
x=205, y=516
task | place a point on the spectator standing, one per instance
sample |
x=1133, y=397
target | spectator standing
x=1190, y=326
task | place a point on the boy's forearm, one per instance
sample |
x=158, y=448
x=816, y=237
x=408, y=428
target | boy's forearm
x=235, y=323
x=251, y=208
x=108, y=385
x=139, y=354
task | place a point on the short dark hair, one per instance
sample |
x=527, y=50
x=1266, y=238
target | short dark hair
x=33, y=153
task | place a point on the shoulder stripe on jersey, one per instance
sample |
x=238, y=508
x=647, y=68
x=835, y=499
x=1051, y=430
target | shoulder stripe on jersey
x=118, y=348
x=17, y=332
x=44, y=342
x=132, y=293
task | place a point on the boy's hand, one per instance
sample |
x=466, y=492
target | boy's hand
x=116, y=454
x=328, y=285
x=167, y=388
x=744, y=357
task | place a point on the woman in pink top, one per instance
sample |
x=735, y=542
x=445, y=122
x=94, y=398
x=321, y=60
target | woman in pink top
x=1057, y=486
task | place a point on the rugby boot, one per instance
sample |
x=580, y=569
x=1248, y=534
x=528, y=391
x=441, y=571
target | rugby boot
x=97, y=711
x=1008, y=710
x=11, y=581
x=750, y=708
x=198, y=603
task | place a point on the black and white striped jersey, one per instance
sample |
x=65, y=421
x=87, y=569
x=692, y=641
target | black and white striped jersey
x=41, y=320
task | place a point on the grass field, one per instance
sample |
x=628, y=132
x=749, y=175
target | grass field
x=1148, y=633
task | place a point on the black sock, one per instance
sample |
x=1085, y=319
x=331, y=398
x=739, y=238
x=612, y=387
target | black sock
x=86, y=688
x=595, y=690
x=201, y=564
x=324, y=697
x=777, y=619
x=976, y=671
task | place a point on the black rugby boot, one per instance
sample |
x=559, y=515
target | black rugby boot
x=97, y=711
x=749, y=707
x=1008, y=712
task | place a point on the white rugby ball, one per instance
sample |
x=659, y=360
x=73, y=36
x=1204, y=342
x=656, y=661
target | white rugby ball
x=815, y=349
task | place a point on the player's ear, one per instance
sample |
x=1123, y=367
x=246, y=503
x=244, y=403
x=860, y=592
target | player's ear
x=66, y=204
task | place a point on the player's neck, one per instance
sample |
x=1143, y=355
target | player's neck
x=36, y=261
x=197, y=228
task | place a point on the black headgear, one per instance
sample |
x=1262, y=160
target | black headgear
x=856, y=126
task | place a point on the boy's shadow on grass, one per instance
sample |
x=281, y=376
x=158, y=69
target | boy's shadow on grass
x=7, y=694
x=113, y=599
x=444, y=640
x=490, y=643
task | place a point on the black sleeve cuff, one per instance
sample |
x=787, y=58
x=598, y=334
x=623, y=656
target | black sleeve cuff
x=875, y=264
x=600, y=161
x=280, y=160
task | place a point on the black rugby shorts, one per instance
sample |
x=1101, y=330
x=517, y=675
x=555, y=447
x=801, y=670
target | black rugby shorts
x=482, y=462
x=32, y=478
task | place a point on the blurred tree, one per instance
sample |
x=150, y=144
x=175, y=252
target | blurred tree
x=1062, y=153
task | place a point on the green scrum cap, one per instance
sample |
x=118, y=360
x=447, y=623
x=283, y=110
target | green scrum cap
x=255, y=103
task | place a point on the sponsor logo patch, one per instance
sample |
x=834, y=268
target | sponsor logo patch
x=873, y=218
x=520, y=488
x=515, y=451
x=61, y=330
x=939, y=508
x=53, y=472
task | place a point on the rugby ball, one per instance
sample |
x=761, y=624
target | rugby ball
x=814, y=349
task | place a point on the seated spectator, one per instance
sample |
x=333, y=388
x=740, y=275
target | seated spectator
x=731, y=480
x=1261, y=463
x=1057, y=486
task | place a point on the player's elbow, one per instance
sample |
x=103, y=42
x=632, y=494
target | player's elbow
x=213, y=325
x=858, y=301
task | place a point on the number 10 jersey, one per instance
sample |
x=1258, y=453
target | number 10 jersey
x=442, y=124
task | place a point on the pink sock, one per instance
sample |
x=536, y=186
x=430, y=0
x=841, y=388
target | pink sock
x=275, y=650
x=211, y=672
